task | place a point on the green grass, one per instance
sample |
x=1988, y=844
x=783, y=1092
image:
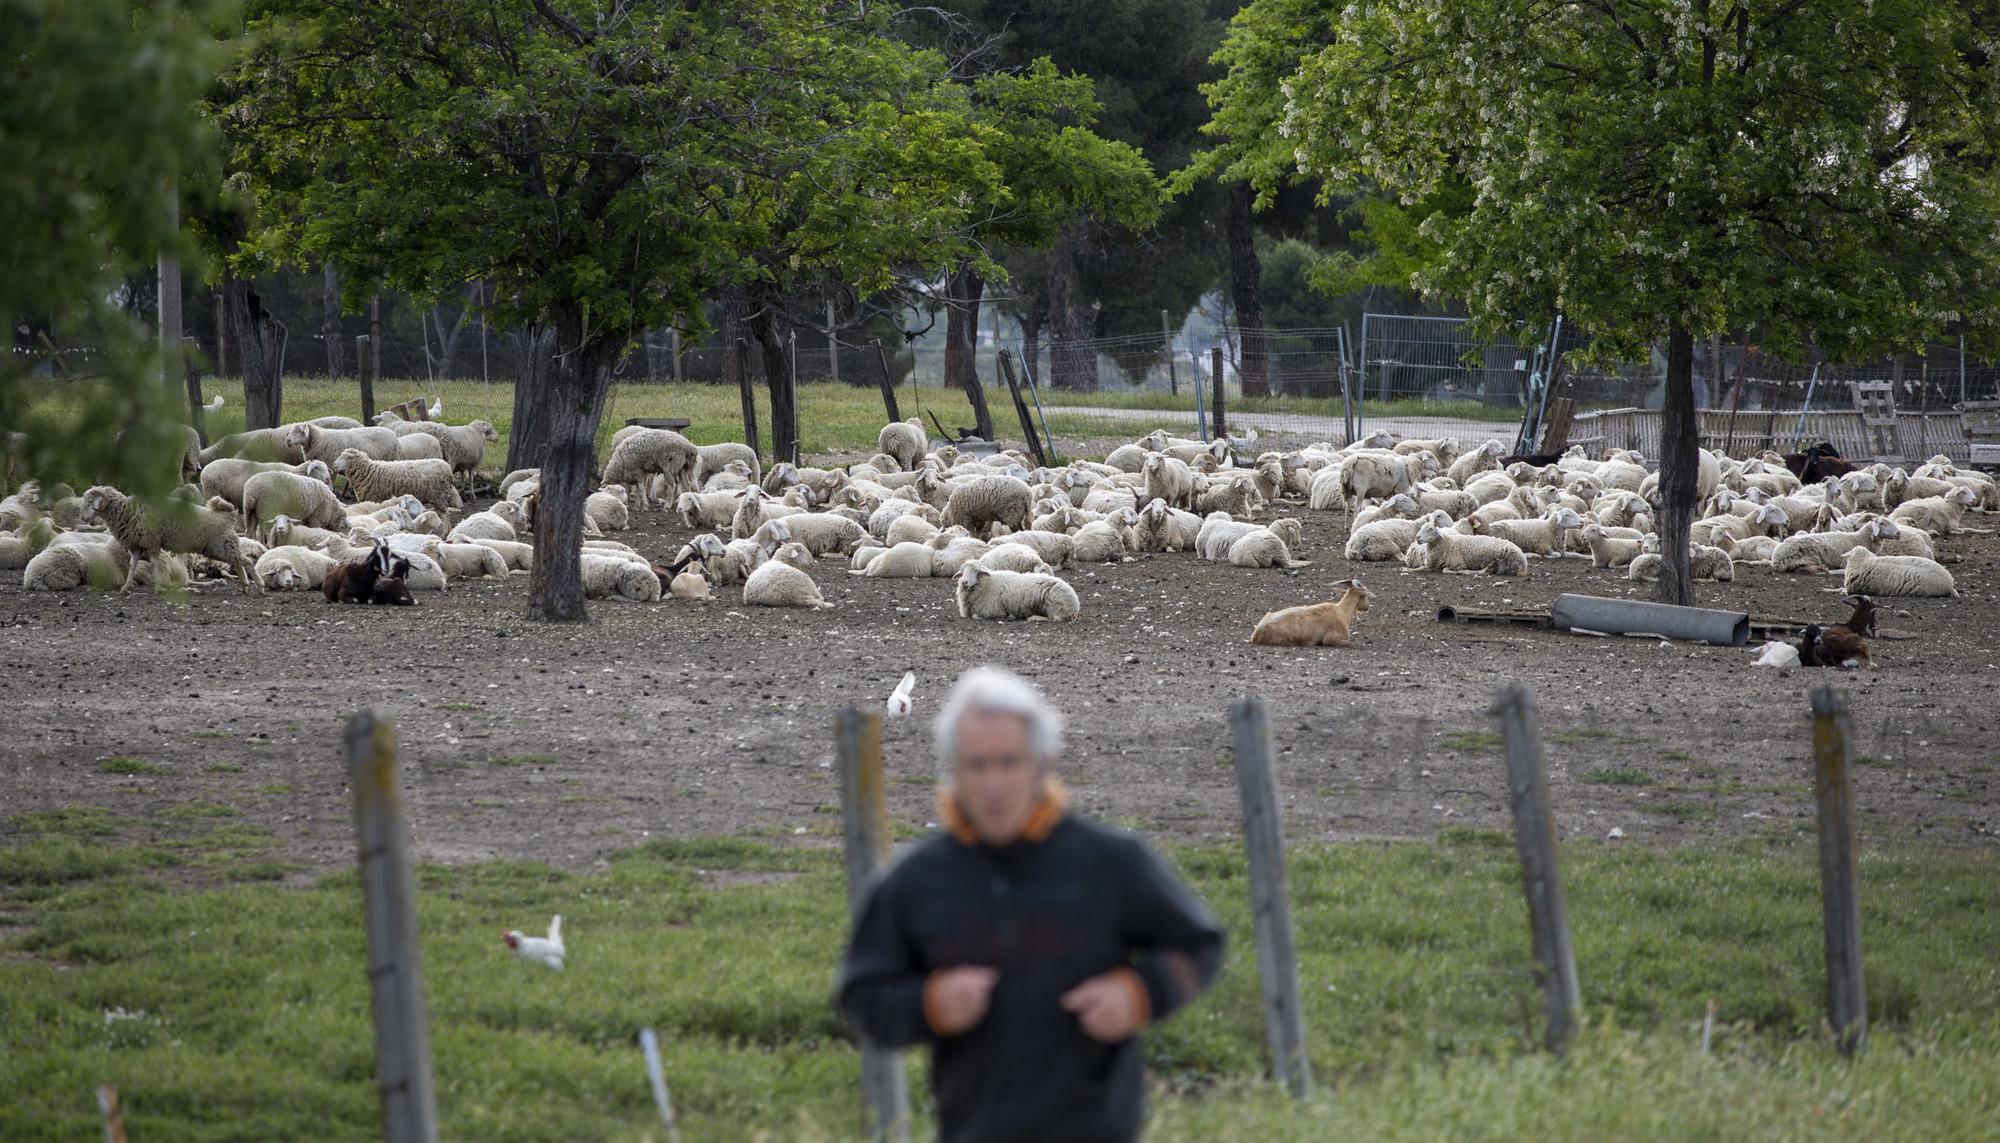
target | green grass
x=1414, y=966
x=121, y=765
x=458, y=706
x=1472, y=741
x=521, y=760
x=1616, y=777
x=1580, y=734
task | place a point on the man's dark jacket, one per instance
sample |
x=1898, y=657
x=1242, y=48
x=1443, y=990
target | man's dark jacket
x=1070, y=901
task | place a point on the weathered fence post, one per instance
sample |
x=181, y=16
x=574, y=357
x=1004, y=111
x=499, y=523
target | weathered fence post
x=749, y=396
x=389, y=901
x=1535, y=837
x=1167, y=339
x=1840, y=889
x=1021, y=408
x=1270, y=896
x=365, y=360
x=191, y=370
x=864, y=810
x=1215, y=375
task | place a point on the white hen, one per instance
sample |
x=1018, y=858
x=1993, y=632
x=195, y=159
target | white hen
x=542, y=950
x=1776, y=654
x=213, y=405
x=436, y=410
x=899, y=699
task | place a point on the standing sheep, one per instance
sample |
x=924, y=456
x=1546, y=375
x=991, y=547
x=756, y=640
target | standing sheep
x=1169, y=480
x=325, y=444
x=648, y=452
x=146, y=531
x=904, y=440
x=983, y=501
x=984, y=593
x=427, y=480
x=462, y=446
x=268, y=495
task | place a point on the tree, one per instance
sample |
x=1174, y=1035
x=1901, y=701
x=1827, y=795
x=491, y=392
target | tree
x=94, y=99
x=1660, y=171
x=586, y=160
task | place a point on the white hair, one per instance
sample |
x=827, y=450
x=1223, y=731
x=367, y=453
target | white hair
x=993, y=690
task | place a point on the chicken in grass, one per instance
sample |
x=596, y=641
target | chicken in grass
x=546, y=951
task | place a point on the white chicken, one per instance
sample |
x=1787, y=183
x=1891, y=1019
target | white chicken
x=436, y=410
x=213, y=405
x=899, y=699
x=542, y=950
x=1776, y=654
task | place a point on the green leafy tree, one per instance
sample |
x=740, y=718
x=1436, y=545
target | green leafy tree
x=1661, y=171
x=602, y=168
x=94, y=125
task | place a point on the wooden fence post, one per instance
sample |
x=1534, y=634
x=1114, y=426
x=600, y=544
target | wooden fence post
x=864, y=810
x=389, y=900
x=888, y=385
x=366, y=361
x=1535, y=837
x=1270, y=896
x=1215, y=376
x=1021, y=408
x=1840, y=889
x=749, y=396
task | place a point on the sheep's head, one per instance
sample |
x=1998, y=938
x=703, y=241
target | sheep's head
x=970, y=574
x=1427, y=532
x=301, y=435
x=1565, y=518
x=1592, y=533
x=796, y=555
x=1126, y=516
x=97, y=500
x=284, y=577
x=1650, y=542
x=486, y=429
x=1963, y=496
x=346, y=458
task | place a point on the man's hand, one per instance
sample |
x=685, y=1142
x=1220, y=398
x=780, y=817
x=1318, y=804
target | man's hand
x=1110, y=1006
x=955, y=999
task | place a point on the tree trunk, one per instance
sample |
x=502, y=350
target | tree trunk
x=1253, y=362
x=735, y=331
x=448, y=343
x=963, y=291
x=329, y=327
x=260, y=345
x=1679, y=469
x=572, y=400
x=1031, y=340
x=1072, y=360
x=778, y=378
x=528, y=437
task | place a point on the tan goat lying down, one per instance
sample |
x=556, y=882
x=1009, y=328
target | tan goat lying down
x=1315, y=624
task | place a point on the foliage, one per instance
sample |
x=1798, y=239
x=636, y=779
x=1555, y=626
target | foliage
x=94, y=96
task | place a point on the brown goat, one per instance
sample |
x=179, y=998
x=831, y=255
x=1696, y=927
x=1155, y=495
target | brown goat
x=1314, y=625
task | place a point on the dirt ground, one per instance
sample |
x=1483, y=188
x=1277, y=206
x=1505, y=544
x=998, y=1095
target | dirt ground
x=561, y=743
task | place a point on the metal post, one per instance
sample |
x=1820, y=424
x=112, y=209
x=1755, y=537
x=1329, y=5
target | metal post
x=1200, y=397
x=395, y=969
x=1361, y=377
x=1270, y=896
x=1167, y=339
x=374, y=349
x=1035, y=392
x=865, y=815
x=1535, y=838
x=1840, y=891
x=888, y=384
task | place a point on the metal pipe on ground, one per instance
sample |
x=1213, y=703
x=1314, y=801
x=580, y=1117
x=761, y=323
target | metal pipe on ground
x=1630, y=616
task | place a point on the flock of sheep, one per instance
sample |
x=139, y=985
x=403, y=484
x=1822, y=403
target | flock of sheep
x=998, y=526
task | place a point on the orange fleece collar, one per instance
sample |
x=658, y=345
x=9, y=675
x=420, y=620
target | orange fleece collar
x=1042, y=819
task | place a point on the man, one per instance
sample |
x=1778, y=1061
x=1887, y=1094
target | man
x=1025, y=946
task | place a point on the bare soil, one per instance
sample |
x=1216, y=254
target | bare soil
x=531, y=741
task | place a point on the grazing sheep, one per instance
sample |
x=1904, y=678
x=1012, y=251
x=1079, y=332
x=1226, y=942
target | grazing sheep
x=1449, y=551
x=323, y=444
x=289, y=567
x=983, y=501
x=226, y=477
x=427, y=480
x=984, y=593
x=779, y=584
x=1329, y=624
x=647, y=452
x=1870, y=574
x=1261, y=548
x=1382, y=541
x=66, y=567
x=904, y=440
x=1543, y=536
x=268, y=495
x=1163, y=528
x=1169, y=480
x=145, y=531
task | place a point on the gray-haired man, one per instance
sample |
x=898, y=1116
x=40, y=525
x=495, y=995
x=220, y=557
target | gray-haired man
x=1027, y=947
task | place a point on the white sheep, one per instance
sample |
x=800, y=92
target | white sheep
x=1402, y=505
x=607, y=508
x=1448, y=551
x=66, y=567
x=268, y=495
x=779, y=584
x=949, y=552
x=289, y=567
x=1238, y=498
x=17, y=548
x=418, y=446
x=144, y=531
x=909, y=527
x=1104, y=541
x=504, y=521
x=980, y=502
x=1169, y=480
x=1013, y=557
x=471, y=561
x=1813, y=553
x=1261, y=548
x=1607, y=550
x=1869, y=574
x=1704, y=562
x=1889, y=538
x=318, y=443
x=517, y=556
x=1485, y=458
x=905, y=560
x=646, y=452
x=612, y=576
x=1382, y=540
x=1542, y=536
x=1938, y=515
x=427, y=480
x=983, y=593
x=255, y=444
x=226, y=477
x=1750, y=549
x=462, y=446
x=1163, y=528
x=904, y=440
x=820, y=532
x=1057, y=549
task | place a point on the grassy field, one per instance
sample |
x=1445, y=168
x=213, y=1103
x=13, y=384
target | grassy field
x=832, y=418
x=157, y=956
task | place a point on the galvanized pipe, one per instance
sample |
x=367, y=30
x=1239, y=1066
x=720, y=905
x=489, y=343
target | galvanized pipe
x=1631, y=616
